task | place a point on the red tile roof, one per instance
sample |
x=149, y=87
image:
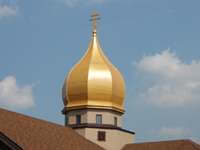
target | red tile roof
x=35, y=134
x=164, y=145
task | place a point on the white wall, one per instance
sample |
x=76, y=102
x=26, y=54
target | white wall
x=89, y=116
x=115, y=139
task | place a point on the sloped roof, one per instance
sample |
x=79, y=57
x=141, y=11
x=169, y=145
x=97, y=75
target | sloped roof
x=7, y=144
x=35, y=134
x=164, y=145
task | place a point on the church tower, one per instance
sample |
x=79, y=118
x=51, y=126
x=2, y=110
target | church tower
x=93, y=95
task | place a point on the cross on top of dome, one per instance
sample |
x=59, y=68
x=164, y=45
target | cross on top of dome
x=94, y=18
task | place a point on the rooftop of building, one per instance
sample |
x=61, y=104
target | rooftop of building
x=164, y=145
x=34, y=134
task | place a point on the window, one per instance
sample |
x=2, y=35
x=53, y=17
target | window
x=98, y=119
x=66, y=120
x=78, y=119
x=101, y=136
x=115, y=121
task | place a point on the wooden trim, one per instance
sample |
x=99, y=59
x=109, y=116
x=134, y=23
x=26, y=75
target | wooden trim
x=99, y=126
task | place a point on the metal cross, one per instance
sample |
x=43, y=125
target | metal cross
x=94, y=18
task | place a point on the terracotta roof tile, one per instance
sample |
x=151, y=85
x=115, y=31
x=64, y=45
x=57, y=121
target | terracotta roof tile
x=35, y=134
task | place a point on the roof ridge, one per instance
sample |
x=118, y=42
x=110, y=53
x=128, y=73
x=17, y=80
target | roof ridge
x=175, y=140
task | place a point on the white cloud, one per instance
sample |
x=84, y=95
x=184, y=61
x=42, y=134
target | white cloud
x=169, y=80
x=15, y=96
x=73, y=3
x=7, y=10
x=174, y=132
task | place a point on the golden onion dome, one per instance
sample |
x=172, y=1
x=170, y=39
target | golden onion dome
x=94, y=82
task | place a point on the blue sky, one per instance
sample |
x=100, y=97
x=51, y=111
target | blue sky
x=154, y=43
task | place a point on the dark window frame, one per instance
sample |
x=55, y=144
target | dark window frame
x=115, y=121
x=66, y=120
x=78, y=119
x=101, y=136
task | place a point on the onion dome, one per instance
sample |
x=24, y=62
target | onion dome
x=94, y=82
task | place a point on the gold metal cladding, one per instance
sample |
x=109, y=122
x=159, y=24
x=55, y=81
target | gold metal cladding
x=94, y=82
